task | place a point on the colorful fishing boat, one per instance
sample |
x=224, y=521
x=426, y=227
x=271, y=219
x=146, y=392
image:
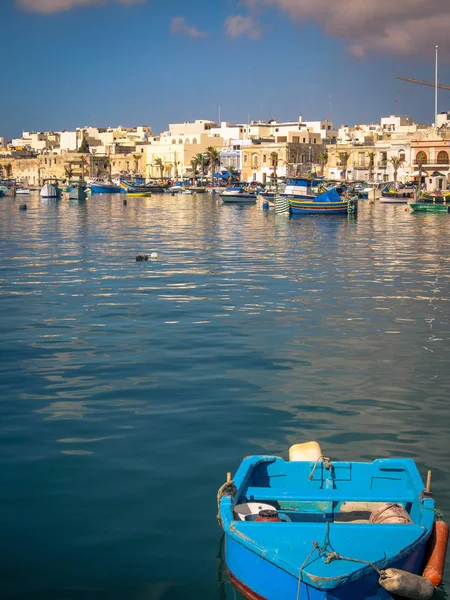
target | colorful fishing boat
x=139, y=194
x=429, y=208
x=238, y=195
x=328, y=202
x=391, y=196
x=318, y=529
x=137, y=187
x=98, y=186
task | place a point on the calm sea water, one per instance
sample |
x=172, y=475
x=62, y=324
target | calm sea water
x=130, y=389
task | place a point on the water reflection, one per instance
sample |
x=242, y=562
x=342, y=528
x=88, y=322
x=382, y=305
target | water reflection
x=130, y=389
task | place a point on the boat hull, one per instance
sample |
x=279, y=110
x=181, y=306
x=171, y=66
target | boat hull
x=315, y=208
x=238, y=199
x=50, y=191
x=98, y=188
x=259, y=579
x=394, y=199
x=77, y=194
x=433, y=208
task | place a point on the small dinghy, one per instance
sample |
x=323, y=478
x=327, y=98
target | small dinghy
x=311, y=528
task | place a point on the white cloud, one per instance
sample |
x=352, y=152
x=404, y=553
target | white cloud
x=237, y=25
x=402, y=27
x=179, y=26
x=47, y=7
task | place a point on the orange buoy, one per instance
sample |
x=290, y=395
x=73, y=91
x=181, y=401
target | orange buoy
x=434, y=569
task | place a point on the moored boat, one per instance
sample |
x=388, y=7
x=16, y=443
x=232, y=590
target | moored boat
x=324, y=530
x=391, y=196
x=328, y=202
x=139, y=194
x=50, y=189
x=22, y=191
x=237, y=194
x=98, y=186
x=77, y=190
x=430, y=208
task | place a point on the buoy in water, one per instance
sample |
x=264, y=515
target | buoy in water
x=23, y=207
x=141, y=257
x=406, y=585
x=154, y=255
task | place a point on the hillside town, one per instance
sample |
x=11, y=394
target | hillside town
x=392, y=149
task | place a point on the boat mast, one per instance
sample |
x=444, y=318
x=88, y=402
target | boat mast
x=436, y=89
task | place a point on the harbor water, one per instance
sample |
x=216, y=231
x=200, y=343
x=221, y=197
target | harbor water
x=129, y=389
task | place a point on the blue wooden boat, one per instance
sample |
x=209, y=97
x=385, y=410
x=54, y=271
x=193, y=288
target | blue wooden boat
x=328, y=202
x=325, y=543
x=98, y=187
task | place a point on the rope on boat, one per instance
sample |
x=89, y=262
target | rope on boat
x=326, y=463
x=329, y=556
x=227, y=489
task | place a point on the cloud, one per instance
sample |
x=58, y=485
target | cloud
x=237, y=25
x=400, y=27
x=179, y=26
x=47, y=7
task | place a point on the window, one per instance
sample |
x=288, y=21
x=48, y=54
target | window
x=442, y=158
x=304, y=140
x=264, y=157
x=402, y=156
x=245, y=158
x=277, y=129
x=194, y=141
x=180, y=141
x=421, y=157
x=295, y=139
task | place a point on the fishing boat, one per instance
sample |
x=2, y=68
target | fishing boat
x=237, y=194
x=50, y=189
x=99, y=186
x=198, y=190
x=22, y=191
x=316, y=529
x=77, y=190
x=391, y=196
x=137, y=186
x=429, y=208
x=328, y=202
x=139, y=194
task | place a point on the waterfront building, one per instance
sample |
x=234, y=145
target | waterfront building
x=263, y=158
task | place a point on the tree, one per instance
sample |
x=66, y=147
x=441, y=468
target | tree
x=194, y=165
x=231, y=173
x=396, y=162
x=344, y=157
x=68, y=170
x=371, y=156
x=275, y=160
x=84, y=146
x=214, y=160
x=137, y=158
x=159, y=163
x=8, y=170
x=83, y=164
x=203, y=161
x=323, y=159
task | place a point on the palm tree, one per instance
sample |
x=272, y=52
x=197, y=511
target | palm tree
x=136, y=158
x=214, y=160
x=8, y=170
x=194, y=165
x=275, y=161
x=344, y=157
x=323, y=159
x=159, y=163
x=371, y=156
x=231, y=171
x=83, y=164
x=68, y=170
x=396, y=162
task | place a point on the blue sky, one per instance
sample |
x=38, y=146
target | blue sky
x=128, y=62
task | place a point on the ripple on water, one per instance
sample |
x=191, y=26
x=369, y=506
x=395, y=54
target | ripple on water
x=130, y=389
